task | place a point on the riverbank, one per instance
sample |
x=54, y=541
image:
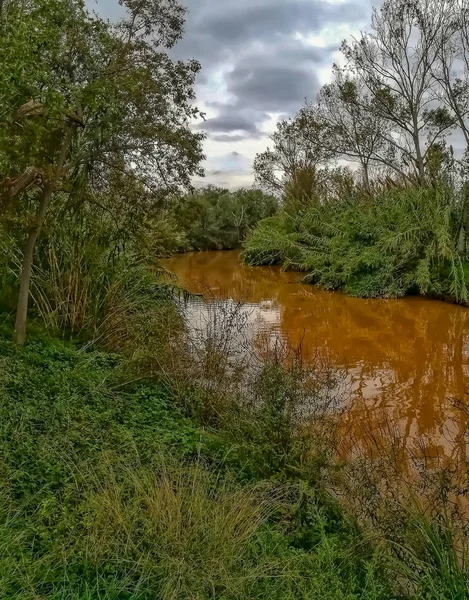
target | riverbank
x=124, y=489
x=109, y=491
x=398, y=242
x=406, y=359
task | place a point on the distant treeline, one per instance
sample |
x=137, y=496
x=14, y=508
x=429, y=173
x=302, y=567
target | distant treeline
x=211, y=218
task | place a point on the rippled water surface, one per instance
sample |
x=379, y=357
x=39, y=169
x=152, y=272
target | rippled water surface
x=407, y=359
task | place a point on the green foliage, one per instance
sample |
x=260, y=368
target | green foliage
x=105, y=494
x=396, y=243
x=77, y=131
x=84, y=285
x=216, y=219
x=64, y=63
x=432, y=558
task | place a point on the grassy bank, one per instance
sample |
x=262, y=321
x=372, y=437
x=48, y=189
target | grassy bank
x=395, y=243
x=143, y=460
x=109, y=491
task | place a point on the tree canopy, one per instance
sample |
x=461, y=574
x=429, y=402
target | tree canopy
x=401, y=93
x=90, y=109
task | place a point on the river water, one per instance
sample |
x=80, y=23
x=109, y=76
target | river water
x=407, y=359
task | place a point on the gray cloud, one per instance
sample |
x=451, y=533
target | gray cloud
x=267, y=68
x=255, y=63
x=254, y=21
x=216, y=29
x=233, y=125
x=223, y=137
x=228, y=122
x=272, y=88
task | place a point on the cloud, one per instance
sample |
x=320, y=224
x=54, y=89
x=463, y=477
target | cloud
x=258, y=62
x=231, y=170
x=234, y=125
x=273, y=88
x=228, y=122
x=218, y=29
x=260, y=59
x=237, y=137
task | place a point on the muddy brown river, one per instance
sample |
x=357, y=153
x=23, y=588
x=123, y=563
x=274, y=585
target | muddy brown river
x=407, y=359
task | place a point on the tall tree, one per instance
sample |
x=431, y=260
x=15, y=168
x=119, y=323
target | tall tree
x=86, y=103
x=395, y=63
x=299, y=147
x=451, y=69
x=354, y=131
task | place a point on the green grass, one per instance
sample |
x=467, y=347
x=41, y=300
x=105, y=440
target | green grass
x=109, y=491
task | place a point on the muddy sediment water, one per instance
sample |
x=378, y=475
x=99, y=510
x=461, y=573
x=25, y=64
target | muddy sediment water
x=407, y=359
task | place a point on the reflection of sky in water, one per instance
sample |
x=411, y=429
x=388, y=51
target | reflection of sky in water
x=197, y=311
x=253, y=318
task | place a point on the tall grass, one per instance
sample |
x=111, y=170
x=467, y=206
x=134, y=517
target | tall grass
x=431, y=559
x=81, y=287
x=277, y=406
x=180, y=530
x=415, y=506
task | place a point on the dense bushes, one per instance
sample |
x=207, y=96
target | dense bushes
x=397, y=242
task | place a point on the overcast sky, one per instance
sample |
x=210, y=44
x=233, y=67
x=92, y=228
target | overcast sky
x=260, y=60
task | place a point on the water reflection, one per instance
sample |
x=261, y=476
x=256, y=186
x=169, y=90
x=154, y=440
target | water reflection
x=408, y=359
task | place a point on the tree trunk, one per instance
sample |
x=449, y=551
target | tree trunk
x=418, y=151
x=26, y=267
x=366, y=177
x=28, y=257
x=9, y=190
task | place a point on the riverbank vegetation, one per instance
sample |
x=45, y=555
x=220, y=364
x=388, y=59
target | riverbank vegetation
x=396, y=222
x=141, y=458
x=397, y=243
x=210, y=218
x=173, y=478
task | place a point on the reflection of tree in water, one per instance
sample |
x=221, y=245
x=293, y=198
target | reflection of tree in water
x=407, y=358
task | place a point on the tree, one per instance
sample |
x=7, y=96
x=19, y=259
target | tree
x=395, y=63
x=216, y=218
x=354, y=131
x=299, y=147
x=86, y=103
x=451, y=69
x=249, y=206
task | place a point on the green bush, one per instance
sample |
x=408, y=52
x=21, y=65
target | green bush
x=399, y=242
x=216, y=219
x=83, y=286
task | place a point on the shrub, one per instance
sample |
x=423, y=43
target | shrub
x=399, y=242
x=105, y=494
x=216, y=219
x=179, y=530
x=82, y=287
